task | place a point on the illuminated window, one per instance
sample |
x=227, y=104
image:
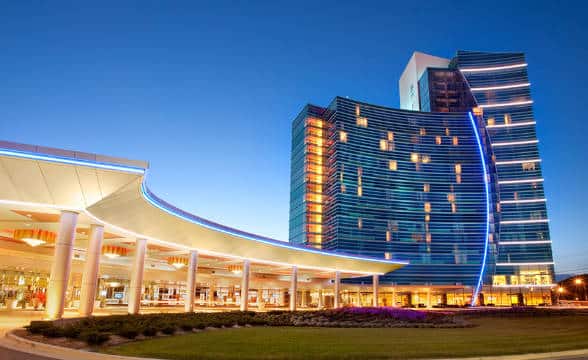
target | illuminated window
x=392, y=165
x=388, y=236
x=316, y=218
x=423, y=132
x=453, y=208
x=499, y=280
x=357, y=110
x=427, y=207
x=390, y=135
x=343, y=136
x=458, y=168
x=427, y=218
x=387, y=255
x=447, y=131
x=383, y=145
x=428, y=237
x=414, y=157
x=498, y=208
x=315, y=208
x=426, y=187
x=359, y=191
x=458, y=178
x=426, y=159
x=451, y=197
x=362, y=121
x=528, y=166
x=455, y=141
x=491, y=121
x=343, y=188
x=507, y=119
x=318, y=198
x=314, y=228
x=438, y=140
x=359, y=223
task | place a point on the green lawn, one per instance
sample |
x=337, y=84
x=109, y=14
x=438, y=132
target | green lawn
x=494, y=336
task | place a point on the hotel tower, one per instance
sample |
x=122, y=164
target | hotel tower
x=451, y=183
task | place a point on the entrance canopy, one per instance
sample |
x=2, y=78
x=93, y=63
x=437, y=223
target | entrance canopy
x=37, y=183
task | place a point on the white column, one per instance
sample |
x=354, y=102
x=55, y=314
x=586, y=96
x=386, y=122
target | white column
x=191, y=281
x=337, y=289
x=321, y=300
x=61, y=266
x=304, y=299
x=245, y=286
x=137, y=276
x=376, y=293
x=90, y=277
x=293, y=288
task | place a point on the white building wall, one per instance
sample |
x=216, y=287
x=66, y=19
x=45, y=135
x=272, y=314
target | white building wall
x=408, y=83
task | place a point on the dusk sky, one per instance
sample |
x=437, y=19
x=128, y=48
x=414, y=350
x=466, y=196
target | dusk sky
x=206, y=92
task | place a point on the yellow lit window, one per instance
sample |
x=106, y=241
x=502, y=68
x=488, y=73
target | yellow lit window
x=528, y=166
x=390, y=135
x=427, y=218
x=426, y=159
x=387, y=256
x=499, y=280
x=362, y=121
x=491, y=121
x=314, y=178
x=455, y=141
x=426, y=187
x=314, y=228
x=428, y=237
x=458, y=168
x=316, y=218
x=427, y=207
x=317, y=198
x=458, y=178
x=383, y=145
x=451, y=197
x=388, y=236
x=392, y=165
x=315, y=238
x=342, y=136
x=447, y=131
x=359, y=223
x=357, y=110
x=507, y=119
x=343, y=188
x=414, y=157
x=438, y=140
x=423, y=132
x=314, y=122
x=491, y=237
x=359, y=191
x=453, y=208
x=478, y=111
x=318, y=208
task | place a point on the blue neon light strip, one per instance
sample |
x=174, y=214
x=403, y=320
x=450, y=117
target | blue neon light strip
x=70, y=161
x=480, y=279
x=170, y=209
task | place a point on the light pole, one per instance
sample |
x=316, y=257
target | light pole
x=560, y=291
x=578, y=282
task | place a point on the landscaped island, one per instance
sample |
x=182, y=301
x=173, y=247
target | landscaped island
x=342, y=333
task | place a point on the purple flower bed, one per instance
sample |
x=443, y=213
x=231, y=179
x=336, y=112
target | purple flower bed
x=377, y=317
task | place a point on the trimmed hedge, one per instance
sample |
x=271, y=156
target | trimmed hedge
x=97, y=330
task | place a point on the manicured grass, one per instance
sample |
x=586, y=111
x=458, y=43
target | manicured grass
x=493, y=336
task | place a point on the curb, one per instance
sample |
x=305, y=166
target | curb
x=17, y=343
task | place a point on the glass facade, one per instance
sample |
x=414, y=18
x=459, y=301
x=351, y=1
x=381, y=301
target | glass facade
x=410, y=185
x=500, y=85
x=397, y=184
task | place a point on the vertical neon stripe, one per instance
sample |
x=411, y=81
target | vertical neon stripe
x=486, y=236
